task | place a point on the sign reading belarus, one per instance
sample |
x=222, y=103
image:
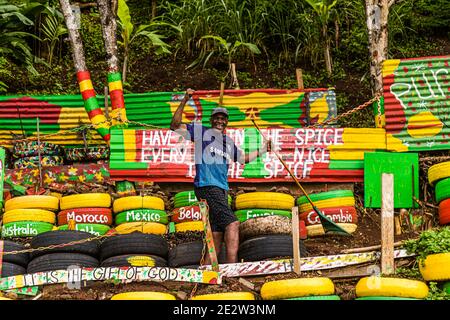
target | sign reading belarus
x=323, y=154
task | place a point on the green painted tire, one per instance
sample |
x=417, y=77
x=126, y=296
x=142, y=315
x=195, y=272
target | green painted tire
x=139, y=215
x=95, y=229
x=325, y=196
x=446, y=287
x=334, y=297
x=188, y=198
x=442, y=190
x=25, y=229
x=244, y=215
x=385, y=298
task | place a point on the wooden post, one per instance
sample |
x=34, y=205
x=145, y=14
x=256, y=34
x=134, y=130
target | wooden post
x=208, y=236
x=299, y=73
x=222, y=88
x=398, y=225
x=235, y=83
x=295, y=240
x=387, y=223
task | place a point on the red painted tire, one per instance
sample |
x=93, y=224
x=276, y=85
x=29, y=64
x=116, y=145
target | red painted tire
x=86, y=215
x=186, y=214
x=338, y=215
x=444, y=212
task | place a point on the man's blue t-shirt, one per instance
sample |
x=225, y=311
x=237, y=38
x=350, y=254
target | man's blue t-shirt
x=213, y=153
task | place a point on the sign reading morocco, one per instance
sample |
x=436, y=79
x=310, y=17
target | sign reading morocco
x=322, y=154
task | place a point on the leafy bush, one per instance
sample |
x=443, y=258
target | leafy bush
x=430, y=242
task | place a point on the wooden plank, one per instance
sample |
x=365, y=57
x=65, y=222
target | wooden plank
x=208, y=236
x=387, y=223
x=351, y=271
x=296, y=240
x=299, y=74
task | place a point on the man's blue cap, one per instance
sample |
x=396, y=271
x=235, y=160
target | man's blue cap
x=219, y=110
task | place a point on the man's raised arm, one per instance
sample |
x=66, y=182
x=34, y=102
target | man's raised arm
x=176, y=124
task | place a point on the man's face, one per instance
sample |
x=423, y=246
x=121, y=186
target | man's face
x=219, y=121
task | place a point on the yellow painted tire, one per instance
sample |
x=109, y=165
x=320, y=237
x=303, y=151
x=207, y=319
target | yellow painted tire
x=293, y=288
x=436, y=267
x=137, y=202
x=438, y=171
x=33, y=202
x=189, y=226
x=143, y=227
x=317, y=230
x=329, y=203
x=143, y=295
x=226, y=296
x=265, y=200
x=391, y=287
x=37, y=215
x=3, y=298
x=87, y=200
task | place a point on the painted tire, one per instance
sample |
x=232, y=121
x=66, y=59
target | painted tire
x=33, y=162
x=438, y=171
x=244, y=215
x=188, y=198
x=435, y=267
x=142, y=227
x=442, y=190
x=317, y=230
x=30, y=148
x=143, y=295
x=36, y=215
x=25, y=229
x=137, y=202
x=293, y=288
x=332, y=297
x=264, y=226
x=385, y=298
x=329, y=203
x=33, y=202
x=265, y=200
x=94, y=229
x=226, y=296
x=189, y=226
x=444, y=212
x=142, y=215
x=186, y=214
x=89, y=154
x=95, y=200
x=391, y=287
x=325, y=196
x=86, y=215
x=337, y=215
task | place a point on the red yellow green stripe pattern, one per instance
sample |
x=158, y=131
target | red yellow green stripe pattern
x=91, y=105
x=117, y=99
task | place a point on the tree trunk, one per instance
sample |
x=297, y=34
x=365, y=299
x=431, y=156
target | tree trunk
x=153, y=9
x=327, y=50
x=109, y=27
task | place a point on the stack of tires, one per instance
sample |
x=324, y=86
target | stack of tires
x=134, y=250
x=439, y=176
x=13, y=264
x=265, y=229
x=380, y=288
x=338, y=205
x=83, y=254
x=26, y=155
x=28, y=216
x=91, y=212
x=299, y=289
x=143, y=214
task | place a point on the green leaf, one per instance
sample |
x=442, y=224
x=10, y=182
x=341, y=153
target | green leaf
x=123, y=12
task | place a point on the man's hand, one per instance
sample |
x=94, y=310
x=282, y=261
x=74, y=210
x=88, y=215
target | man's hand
x=267, y=146
x=188, y=94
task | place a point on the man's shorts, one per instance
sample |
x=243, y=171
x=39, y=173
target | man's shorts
x=220, y=213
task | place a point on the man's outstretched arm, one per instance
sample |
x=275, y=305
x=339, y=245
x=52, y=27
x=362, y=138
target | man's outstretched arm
x=176, y=124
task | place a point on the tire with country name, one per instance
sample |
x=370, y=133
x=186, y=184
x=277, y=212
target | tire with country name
x=317, y=229
x=95, y=200
x=134, y=260
x=444, y=212
x=61, y=261
x=435, y=267
x=33, y=202
x=143, y=295
x=92, y=228
x=189, y=226
x=226, y=296
x=244, y=215
x=188, y=198
x=36, y=215
x=391, y=287
x=325, y=196
x=186, y=214
x=25, y=229
x=142, y=215
x=442, y=190
x=264, y=226
x=143, y=227
x=59, y=237
x=294, y=288
x=328, y=203
x=438, y=172
x=86, y=215
x=10, y=269
x=137, y=202
x=337, y=215
x=20, y=259
x=134, y=243
x=268, y=247
x=265, y=200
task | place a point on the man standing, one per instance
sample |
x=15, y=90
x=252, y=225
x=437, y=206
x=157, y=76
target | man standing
x=214, y=151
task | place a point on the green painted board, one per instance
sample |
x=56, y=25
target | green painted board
x=404, y=166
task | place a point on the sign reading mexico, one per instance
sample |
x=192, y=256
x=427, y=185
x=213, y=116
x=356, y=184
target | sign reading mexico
x=322, y=154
